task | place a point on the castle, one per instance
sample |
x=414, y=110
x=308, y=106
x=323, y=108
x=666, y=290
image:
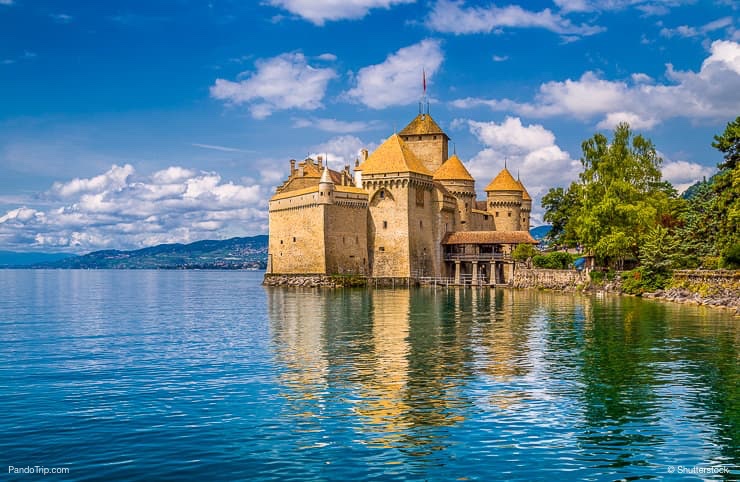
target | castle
x=408, y=211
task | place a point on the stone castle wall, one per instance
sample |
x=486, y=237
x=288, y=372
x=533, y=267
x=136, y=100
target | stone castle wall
x=297, y=236
x=431, y=149
x=346, y=239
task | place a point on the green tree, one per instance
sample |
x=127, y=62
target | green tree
x=560, y=205
x=622, y=196
x=524, y=253
x=727, y=185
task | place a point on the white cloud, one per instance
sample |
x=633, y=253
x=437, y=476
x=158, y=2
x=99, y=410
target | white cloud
x=713, y=92
x=683, y=174
x=339, y=151
x=634, y=120
x=120, y=209
x=500, y=58
x=283, y=82
x=647, y=7
x=319, y=11
x=528, y=150
x=687, y=31
x=327, y=57
x=451, y=16
x=218, y=148
x=61, y=17
x=6, y=2
x=398, y=80
x=334, y=125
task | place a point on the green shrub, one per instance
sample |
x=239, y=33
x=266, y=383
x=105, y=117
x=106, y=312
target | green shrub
x=597, y=276
x=556, y=260
x=641, y=280
x=731, y=257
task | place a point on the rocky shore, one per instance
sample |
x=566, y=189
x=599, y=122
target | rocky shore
x=682, y=295
x=314, y=281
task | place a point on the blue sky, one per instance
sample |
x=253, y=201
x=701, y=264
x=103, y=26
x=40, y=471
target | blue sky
x=129, y=123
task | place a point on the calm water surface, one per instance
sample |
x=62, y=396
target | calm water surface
x=151, y=375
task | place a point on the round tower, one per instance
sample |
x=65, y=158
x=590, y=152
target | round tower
x=457, y=180
x=526, y=206
x=326, y=188
x=504, y=201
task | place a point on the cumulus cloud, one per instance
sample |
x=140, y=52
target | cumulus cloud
x=397, y=80
x=334, y=125
x=319, y=11
x=712, y=92
x=529, y=150
x=452, y=16
x=339, y=151
x=283, y=82
x=122, y=209
x=683, y=174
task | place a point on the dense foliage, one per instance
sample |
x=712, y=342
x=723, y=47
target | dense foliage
x=555, y=260
x=621, y=209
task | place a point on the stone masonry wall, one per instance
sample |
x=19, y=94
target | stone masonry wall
x=555, y=279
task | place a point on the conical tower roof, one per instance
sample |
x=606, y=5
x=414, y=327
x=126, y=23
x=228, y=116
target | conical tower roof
x=525, y=194
x=452, y=170
x=393, y=156
x=422, y=124
x=504, y=182
x=326, y=177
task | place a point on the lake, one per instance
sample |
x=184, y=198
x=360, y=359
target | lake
x=207, y=375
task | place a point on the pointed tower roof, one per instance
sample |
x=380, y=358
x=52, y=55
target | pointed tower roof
x=393, y=156
x=326, y=177
x=504, y=182
x=422, y=124
x=525, y=194
x=452, y=170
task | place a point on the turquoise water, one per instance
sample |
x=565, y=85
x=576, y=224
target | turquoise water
x=198, y=375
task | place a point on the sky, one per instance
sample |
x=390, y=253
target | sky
x=125, y=124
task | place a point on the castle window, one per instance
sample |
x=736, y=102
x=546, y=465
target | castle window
x=294, y=239
x=496, y=213
x=281, y=241
x=385, y=224
x=321, y=194
x=509, y=213
x=419, y=197
x=485, y=218
x=382, y=194
x=466, y=205
x=419, y=137
x=421, y=223
x=381, y=248
x=357, y=240
x=434, y=137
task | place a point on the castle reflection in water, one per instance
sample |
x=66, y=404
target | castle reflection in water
x=426, y=369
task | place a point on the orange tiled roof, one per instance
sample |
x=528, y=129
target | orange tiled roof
x=393, y=156
x=422, y=124
x=525, y=194
x=504, y=182
x=453, y=170
x=295, y=192
x=489, y=237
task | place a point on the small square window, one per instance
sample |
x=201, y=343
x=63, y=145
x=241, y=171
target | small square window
x=294, y=239
x=421, y=223
x=496, y=213
x=382, y=194
x=381, y=248
x=385, y=224
x=509, y=213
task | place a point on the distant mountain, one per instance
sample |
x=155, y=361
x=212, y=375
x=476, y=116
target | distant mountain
x=234, y=253
x=540, y=232
x=11, y=259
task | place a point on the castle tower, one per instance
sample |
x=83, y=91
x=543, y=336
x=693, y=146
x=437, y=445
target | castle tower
x=526, y=206
x=326, y=188
x=504, y=201
x=401, y=224
x=457, y=180
x=426, y=140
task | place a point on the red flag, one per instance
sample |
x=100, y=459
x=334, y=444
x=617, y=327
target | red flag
x=424, y=80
